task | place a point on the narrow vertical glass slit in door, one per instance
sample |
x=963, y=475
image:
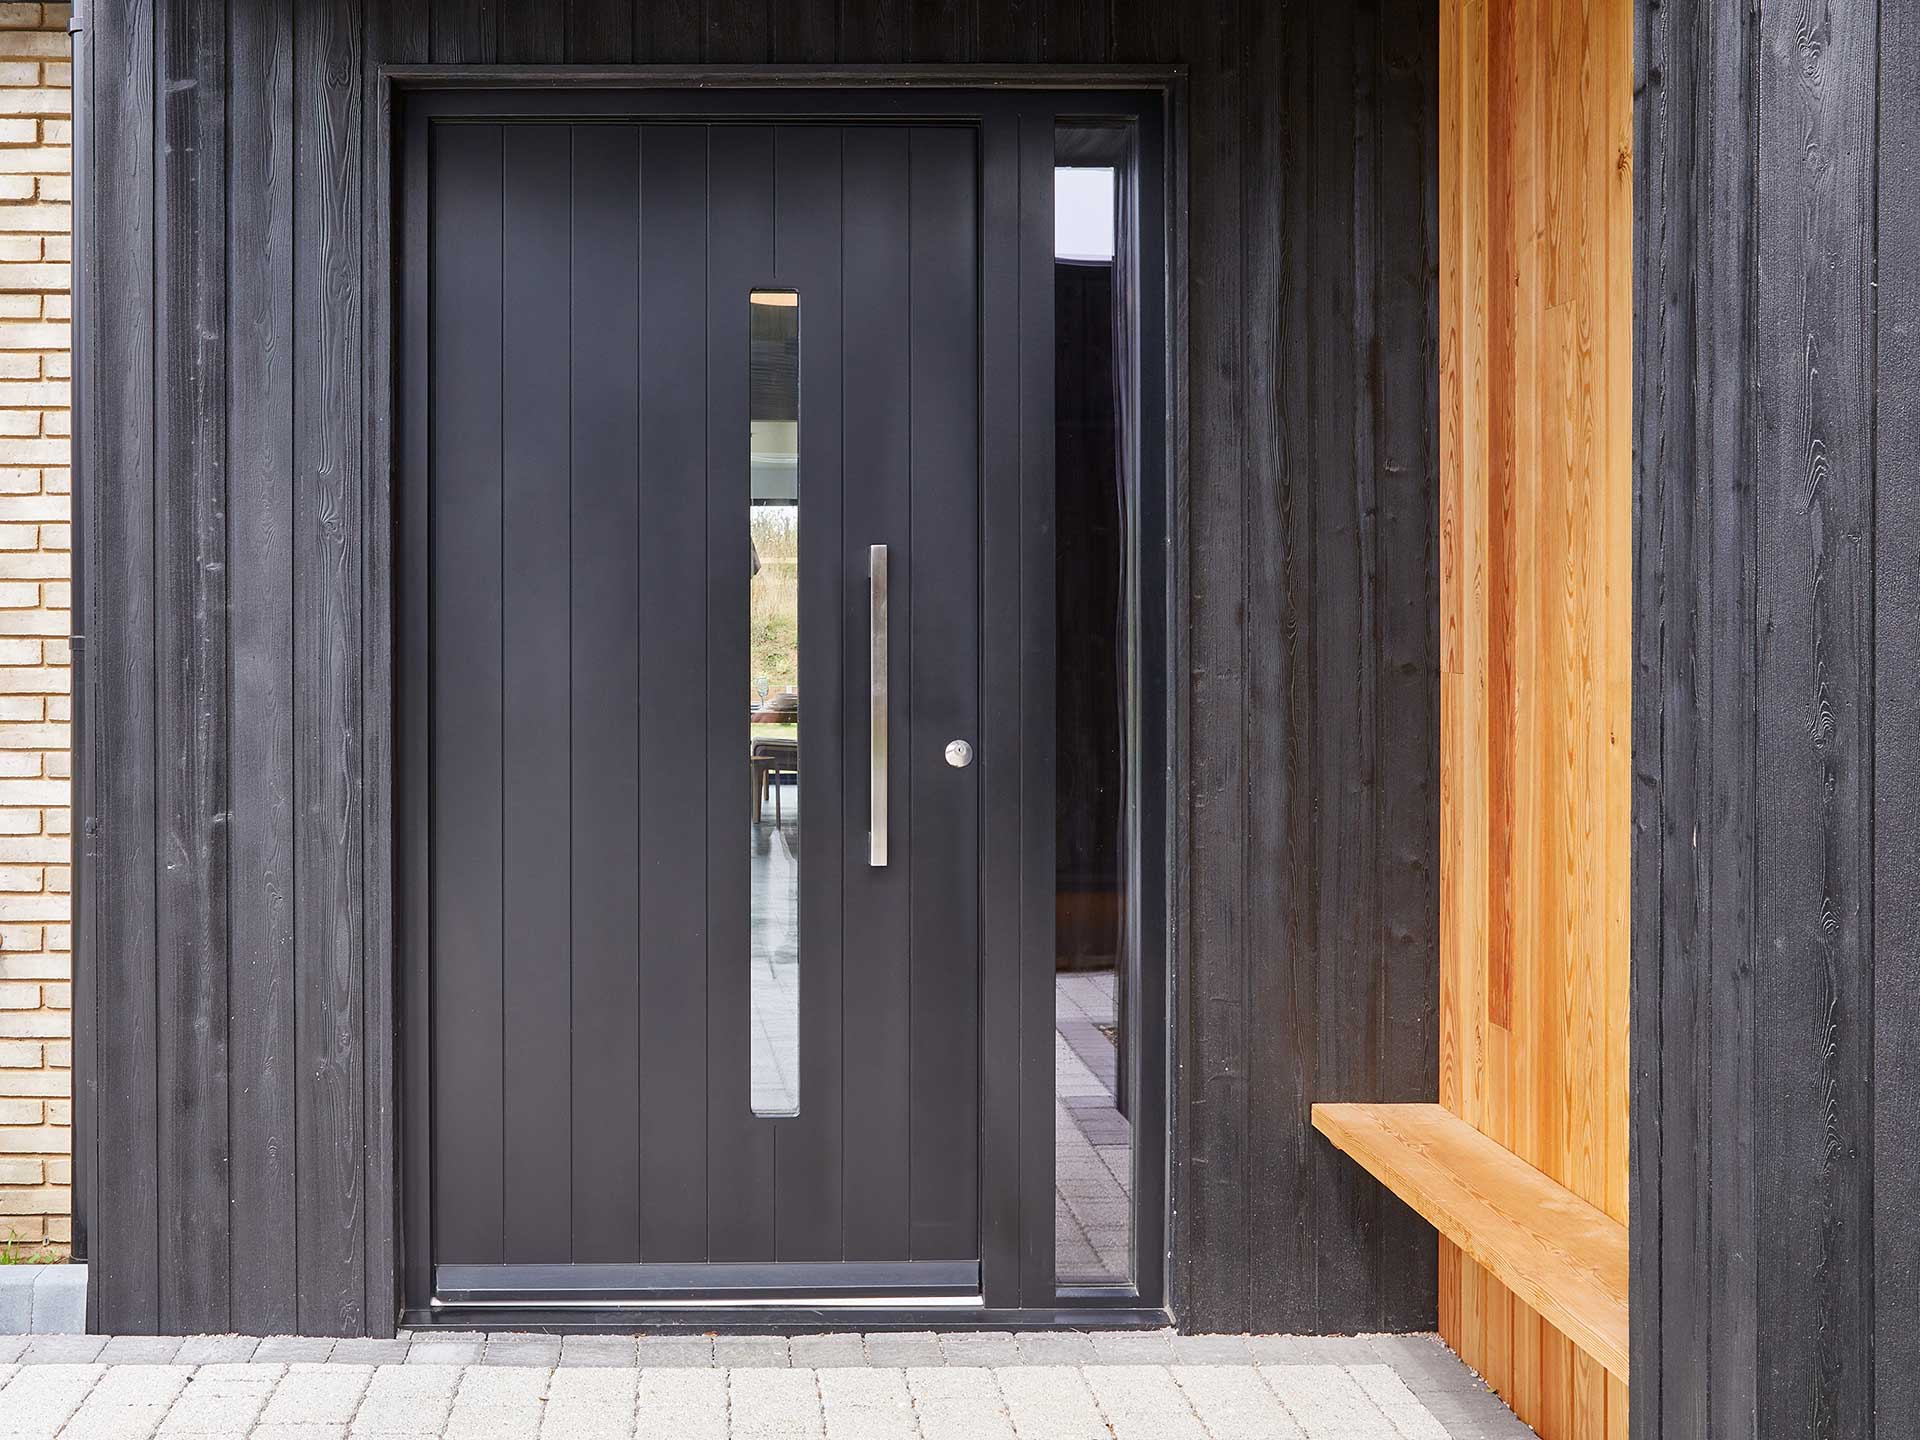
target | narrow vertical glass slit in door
x=773, y=515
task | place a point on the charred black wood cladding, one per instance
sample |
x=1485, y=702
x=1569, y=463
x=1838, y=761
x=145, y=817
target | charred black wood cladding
x=239, y=683
x=1776, y=924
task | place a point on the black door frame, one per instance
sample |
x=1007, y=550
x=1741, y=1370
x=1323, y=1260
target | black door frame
x=1016, y=110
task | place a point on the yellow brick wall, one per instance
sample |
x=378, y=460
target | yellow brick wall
x=36, y=136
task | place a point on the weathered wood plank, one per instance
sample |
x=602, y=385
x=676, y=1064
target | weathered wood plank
x=1896, y=765
x=124, y=1270
x=1213, y=1041
x=1563, y=1255
x=328, y=534
x=259, y=420
x=1813, y=720
x=190, y=698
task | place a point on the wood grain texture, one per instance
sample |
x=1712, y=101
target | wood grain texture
x=1305, y=856
x=1561, y=1255
x=1536, y=618
x=190, y=701
x=1773, y=1009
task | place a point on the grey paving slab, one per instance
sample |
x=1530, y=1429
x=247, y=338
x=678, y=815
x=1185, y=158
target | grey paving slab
x=827, y=1352
x=675, y=1351
x=215, y=1349
x=980, y=1347
x=294, y=1349
x=750, y=1351
x=63, y=1349
x=368, y=1352
x=972, y=1386
x=523, y=1351
x=902, y=1348
x=1132, y=1347
x=128, y=1402
x=140, y=1350
x=1056, y=1347
x=597, y=1350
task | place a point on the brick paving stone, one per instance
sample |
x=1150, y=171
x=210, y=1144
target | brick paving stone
x=957, y=1403
x=597, y=1350
x=445, y=1352
x=526, y=1351
x=1211, y=1350
x=314, y=1393
x=1051, y=1402
x=682, y=1403
x=590, y=1402
x=866, y=1404
x=827, y=1351
x=1057, y=1347
x=39, y=1398
x=405, y=1399
x=1391, y=1396
x=222, y=1400
x=497, y=1403
x=140, y=1350
x=215, y=1349
x=63, y=1349
x=1132, y=1347
x=678, y=1351
x=767, y=1403
x=1233, y=1400
x=12, y=1347
x=368, y=1352
x=1144, y=1402
x=294, y=1349
x=750, y=1351
x=128, y=1402
x=903, y=1348
x=1323, y=1399
x=980, y=1347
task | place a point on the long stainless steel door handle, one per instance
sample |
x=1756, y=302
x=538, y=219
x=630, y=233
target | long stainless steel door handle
x=876, y=705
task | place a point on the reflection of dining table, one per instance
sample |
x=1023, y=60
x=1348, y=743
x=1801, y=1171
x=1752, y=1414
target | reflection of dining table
x=773, y=750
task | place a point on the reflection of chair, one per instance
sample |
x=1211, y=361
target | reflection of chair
x=769, y=760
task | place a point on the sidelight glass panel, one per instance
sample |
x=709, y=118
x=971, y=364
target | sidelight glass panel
x=1094, y=1092
x=773, y=522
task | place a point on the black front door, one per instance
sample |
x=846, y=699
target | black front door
x=700, y=573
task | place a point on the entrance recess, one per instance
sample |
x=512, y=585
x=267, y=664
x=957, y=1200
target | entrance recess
x=703, y=561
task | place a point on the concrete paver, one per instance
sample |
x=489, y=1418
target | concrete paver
x=982, y=1385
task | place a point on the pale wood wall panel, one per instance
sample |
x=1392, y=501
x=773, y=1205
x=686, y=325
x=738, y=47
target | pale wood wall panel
x=1535, y=615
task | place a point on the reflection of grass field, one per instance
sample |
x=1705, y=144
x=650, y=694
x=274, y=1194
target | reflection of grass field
x=775, y=613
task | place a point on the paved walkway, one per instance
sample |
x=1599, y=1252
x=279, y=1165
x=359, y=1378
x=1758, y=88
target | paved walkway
x=829, y=1387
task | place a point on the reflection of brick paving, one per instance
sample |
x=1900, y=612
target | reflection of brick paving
x=1093, y=1143
x=1056, y=1385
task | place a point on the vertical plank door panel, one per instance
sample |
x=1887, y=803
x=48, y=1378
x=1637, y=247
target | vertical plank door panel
x=606, y=621
x=877, y=455
x=536, y=731
x=467, y=815
x=740, y=258
x=808, y=1153
x=942, y=672
x=673, y=700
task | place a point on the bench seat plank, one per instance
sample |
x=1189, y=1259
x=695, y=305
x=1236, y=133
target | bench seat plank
x=1563, y=1256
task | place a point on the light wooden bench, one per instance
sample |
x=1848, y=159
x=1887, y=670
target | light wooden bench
x=1564, y=1257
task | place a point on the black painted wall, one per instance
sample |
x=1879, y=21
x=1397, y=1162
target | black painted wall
x=236, y=920
x=1776, y=886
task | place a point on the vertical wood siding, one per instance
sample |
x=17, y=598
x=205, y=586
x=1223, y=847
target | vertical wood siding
x=1777, y=633
x=239, y=884
x=1535, y=771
